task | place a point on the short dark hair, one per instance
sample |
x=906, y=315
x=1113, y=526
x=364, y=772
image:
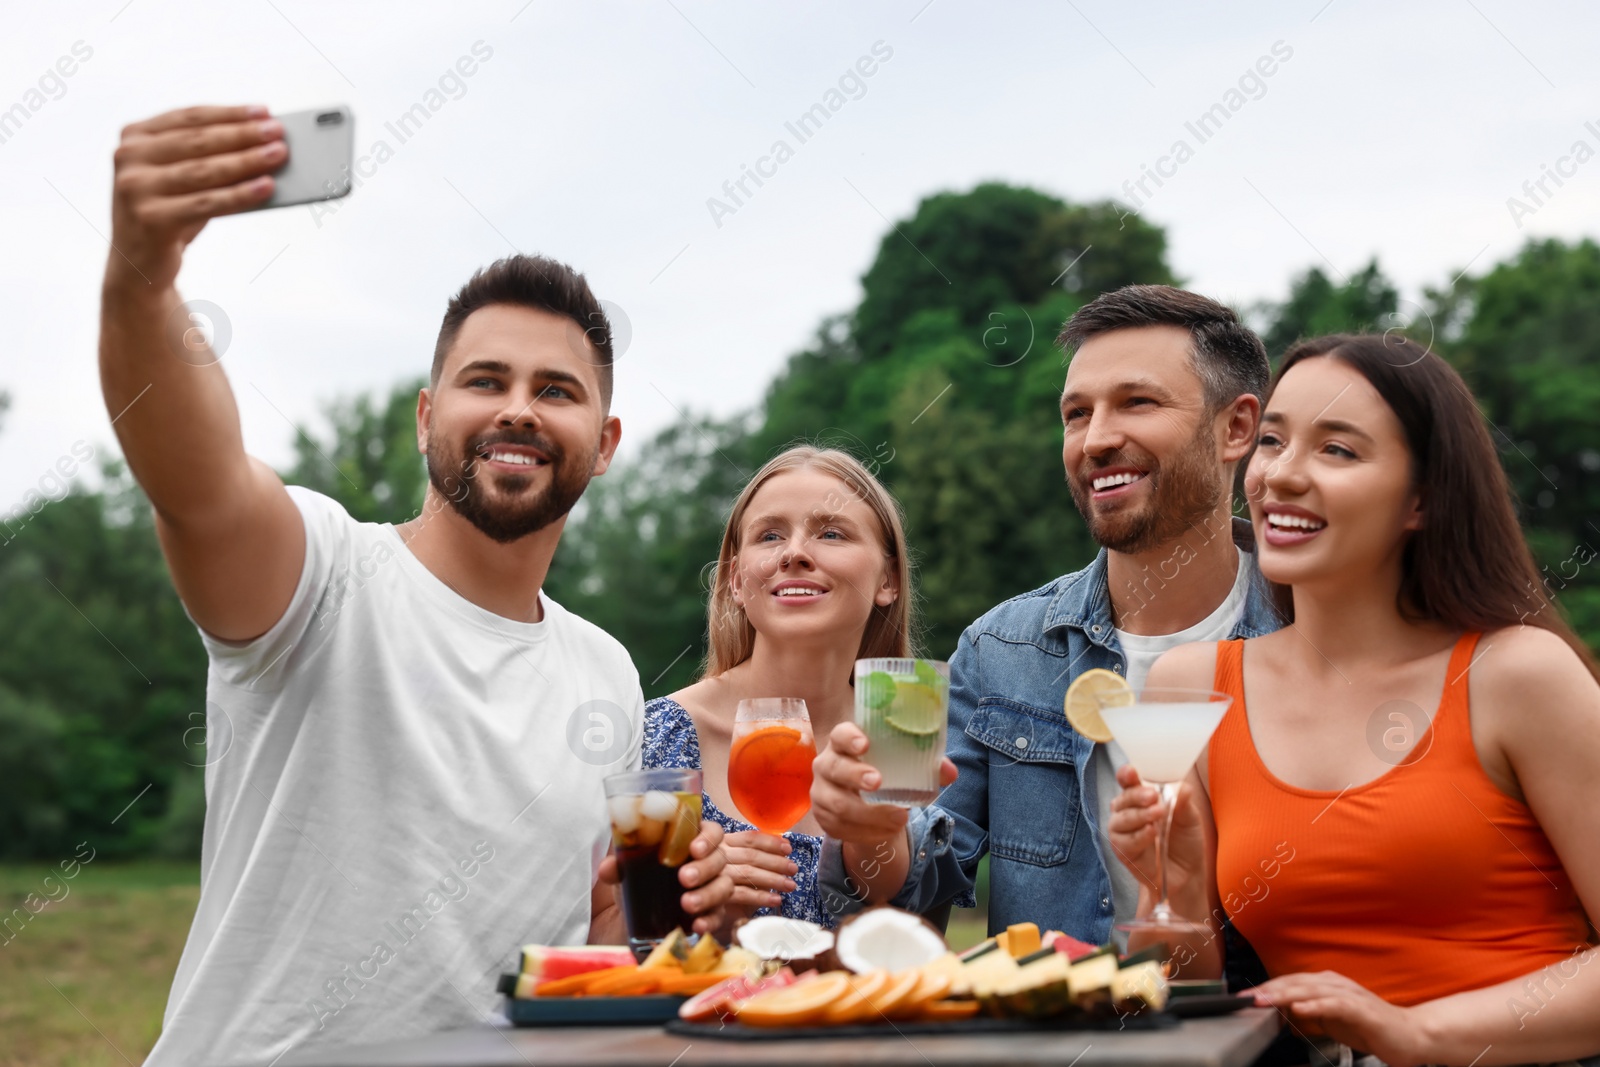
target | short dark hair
x=1227, y=355
x=533, y=282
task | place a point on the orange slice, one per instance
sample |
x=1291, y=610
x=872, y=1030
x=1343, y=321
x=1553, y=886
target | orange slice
x=930, y=987
x=901, y=987
x=795, y=1005
x=855, y=1005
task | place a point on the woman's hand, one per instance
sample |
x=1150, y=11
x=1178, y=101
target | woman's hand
x=1136, y=814
x=1326, y=1004
x=760, y=867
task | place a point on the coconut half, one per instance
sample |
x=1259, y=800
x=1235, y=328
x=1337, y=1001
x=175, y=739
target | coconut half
x=773, y=937
x=888, y=939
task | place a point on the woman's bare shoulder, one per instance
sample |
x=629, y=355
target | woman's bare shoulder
x=1190, y=666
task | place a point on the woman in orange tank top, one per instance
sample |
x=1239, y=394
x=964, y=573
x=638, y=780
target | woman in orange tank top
x=1404, y=813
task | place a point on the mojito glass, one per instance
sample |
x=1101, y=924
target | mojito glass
x=903, y=705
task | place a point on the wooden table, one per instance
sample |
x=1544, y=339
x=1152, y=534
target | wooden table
x=1224, y=1041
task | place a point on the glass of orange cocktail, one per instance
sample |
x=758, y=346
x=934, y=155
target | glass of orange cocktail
x=769, y=766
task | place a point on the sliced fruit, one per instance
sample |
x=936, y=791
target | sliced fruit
x=929, y=987
x=579, y=984
x=669, y=953
x=1022, y=939
x=877, y=690
x=990, y=971
x=1090, y=982
x=795, y=1005
x=982, y=947
x=940, y=1011
x=1141, y=987
x=681, y=830
x=703, y=957
x=685, y=985
x=1037, y=991
x=1071, y=947
x=887, y=939
x=726, y=995
x=627, y=983
x=901, y=987
x=551, y=961
x=1082, y=707
x=736, y=960
x=775, y=937
x=1155, y=953
x=917, y=710
x=855, y=1004
x=949, y=966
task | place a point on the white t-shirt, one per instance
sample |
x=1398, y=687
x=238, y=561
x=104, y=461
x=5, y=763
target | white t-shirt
x=1139, y=653
x=401, y=789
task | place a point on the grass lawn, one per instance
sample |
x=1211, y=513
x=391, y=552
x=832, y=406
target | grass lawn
x=84, y=982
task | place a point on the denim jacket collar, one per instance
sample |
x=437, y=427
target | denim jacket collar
x=1084, y=602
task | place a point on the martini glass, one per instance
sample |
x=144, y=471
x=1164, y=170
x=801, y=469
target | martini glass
x=1163, y=731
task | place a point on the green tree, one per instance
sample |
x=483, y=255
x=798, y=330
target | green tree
x=1365, y=301
x=1530, y=350
x=995, y=246
x=369, y=461
x=102, y=676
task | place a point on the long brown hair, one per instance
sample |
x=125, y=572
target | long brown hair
x=1469, y=566
x=888, y=632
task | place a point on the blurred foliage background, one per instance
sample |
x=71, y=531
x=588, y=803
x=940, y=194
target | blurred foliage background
x=944, y=379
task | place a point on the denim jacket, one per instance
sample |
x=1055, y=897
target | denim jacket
x=1027, y=791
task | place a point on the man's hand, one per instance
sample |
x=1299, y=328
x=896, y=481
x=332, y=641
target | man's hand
x=872, y=833
x=176, y=172
x=705, y=876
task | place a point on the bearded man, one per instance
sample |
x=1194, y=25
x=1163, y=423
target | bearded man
x=406, y=738
x=1161, y=404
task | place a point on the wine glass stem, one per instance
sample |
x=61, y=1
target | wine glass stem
x=1169, y=799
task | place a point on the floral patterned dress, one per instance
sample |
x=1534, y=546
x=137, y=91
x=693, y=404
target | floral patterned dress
x=670, y=740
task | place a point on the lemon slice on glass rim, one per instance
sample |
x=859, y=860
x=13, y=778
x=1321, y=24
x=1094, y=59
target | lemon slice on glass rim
x=1082, y=706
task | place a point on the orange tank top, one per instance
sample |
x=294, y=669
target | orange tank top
x=1424, y=882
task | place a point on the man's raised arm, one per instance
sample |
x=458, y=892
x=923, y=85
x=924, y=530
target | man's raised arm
x=232, y=537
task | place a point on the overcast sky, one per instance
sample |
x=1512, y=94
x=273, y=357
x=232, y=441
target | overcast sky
x=597, y=133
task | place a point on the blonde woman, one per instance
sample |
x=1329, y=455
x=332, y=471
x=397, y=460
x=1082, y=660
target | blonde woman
x=812, y=575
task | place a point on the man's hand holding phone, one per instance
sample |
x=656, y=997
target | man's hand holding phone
x=176, y=172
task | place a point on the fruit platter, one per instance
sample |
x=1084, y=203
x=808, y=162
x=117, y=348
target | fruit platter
x=883, y=970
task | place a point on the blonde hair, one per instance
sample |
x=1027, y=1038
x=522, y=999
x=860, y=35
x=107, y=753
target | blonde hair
x=888, y=634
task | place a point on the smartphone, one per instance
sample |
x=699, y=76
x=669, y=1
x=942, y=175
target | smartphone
x=321, y=151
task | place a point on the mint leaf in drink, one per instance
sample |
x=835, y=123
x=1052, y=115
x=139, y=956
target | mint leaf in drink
x=877, y=690
x=928, y=676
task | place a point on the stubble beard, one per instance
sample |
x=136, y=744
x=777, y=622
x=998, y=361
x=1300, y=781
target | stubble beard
x=507, y=513
x=1183, y=492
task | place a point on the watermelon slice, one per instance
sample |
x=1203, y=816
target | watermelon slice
x=549, y=962
x=1070, y=947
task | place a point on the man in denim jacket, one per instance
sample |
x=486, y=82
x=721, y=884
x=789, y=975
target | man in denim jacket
x=1161, y=405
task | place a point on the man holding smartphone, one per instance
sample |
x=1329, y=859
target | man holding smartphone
x=406, y=737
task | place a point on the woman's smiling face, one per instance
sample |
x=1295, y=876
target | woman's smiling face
x=811, y=559
x=1330, y=484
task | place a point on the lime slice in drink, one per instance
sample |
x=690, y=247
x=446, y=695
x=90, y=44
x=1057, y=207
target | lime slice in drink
x=877, y=690
x=917, y=710
x=928, y=676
